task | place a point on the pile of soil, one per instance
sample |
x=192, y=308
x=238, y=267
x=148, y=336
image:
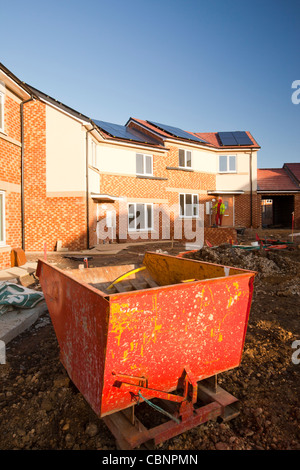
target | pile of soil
x=262, y=261
x=41, y=409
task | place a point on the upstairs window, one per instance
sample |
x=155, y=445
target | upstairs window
x=144, y=164
x=1, y=112
x=185, y=158
x=94, y=154
x=227, y=164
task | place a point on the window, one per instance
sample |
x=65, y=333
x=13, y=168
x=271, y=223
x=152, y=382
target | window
x=2, y=218
x=144, y=164
x=140, y=216
x=227, y=164
x=188, y=205
x=94, y=155
x=1, y=112
x=185, y=158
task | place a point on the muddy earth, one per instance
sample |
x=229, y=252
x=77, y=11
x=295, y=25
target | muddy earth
x=40, y=408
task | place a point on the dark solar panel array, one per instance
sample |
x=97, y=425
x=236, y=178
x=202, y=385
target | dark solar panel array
x=235, y=138
x=123, y=132
x=229, y=139
x=242, y=138
x=176, y=132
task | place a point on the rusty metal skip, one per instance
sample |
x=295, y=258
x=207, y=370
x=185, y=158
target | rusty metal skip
x=163, y=330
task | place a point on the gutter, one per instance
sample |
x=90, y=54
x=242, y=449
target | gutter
x=22, y=171
x=278, y=191
x=87, y=188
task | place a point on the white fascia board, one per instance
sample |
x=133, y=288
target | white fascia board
x=213, y=192
x=16, y=88
x=152, y=131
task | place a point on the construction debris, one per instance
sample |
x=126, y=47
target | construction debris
x=18, y=257
x=14, y=296
x=265, y=263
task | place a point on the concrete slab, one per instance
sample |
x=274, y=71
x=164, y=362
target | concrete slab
x=2, y=352
x=18, y=272
x=15, y=322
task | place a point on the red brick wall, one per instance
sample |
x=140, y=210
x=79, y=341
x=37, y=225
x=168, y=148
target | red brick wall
x=10, y=178
x=12, y=118
x=243, y=210
x=5, y=261
x=297, y=211
x=220, y=235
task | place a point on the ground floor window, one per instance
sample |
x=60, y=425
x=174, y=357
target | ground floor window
x=188, y=205
x=2, y=218
x=140, y=216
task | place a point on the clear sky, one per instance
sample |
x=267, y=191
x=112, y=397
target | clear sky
x=201, y=65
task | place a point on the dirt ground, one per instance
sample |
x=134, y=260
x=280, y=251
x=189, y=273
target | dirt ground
x=40, y=408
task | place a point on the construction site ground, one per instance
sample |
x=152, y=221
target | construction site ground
x=40, y=408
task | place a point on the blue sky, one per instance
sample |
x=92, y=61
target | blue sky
x=201, y=65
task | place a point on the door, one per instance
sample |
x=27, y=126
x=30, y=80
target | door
x=267, y=212
x=228, y=218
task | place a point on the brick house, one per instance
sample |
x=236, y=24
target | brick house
x=55, y=175
x=86, y=181
x=13, y=95
x=279, y=190
x=179, y=169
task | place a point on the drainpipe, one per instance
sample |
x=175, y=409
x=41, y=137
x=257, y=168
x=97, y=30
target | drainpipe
x=251, y=191
x=22, y=171
x=87, y=189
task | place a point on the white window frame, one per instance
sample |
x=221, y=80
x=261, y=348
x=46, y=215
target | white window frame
x=227, y=164
x=2, y=211
x=185, y=159
x=146, y=228
x=144, y=156
x=1, y=111
x=94, y=151
x=195, y=205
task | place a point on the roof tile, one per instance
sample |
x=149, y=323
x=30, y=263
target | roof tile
x=275, y=179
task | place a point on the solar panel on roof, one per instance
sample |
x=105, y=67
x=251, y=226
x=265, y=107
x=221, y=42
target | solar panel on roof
x=227, y=138
x=234, y=138
x=242, y=138
x=122, y=132
x=176, y=132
